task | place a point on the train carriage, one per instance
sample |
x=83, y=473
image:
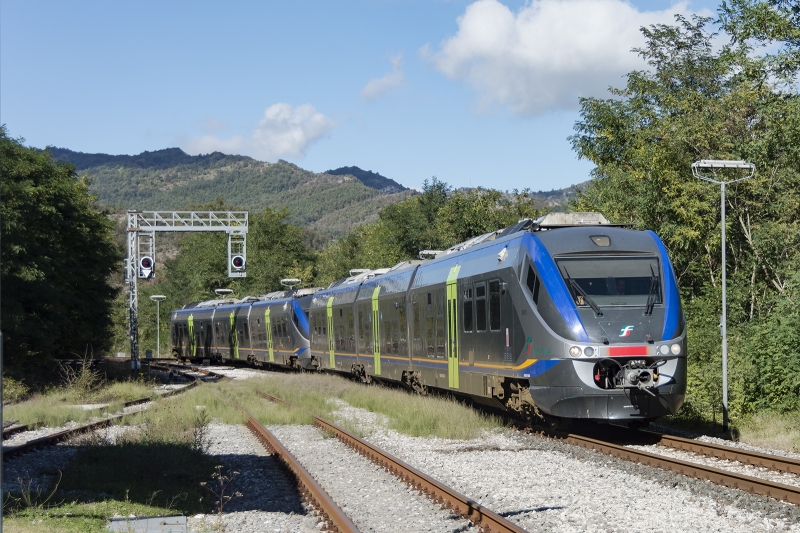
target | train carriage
x=569, y=317
x=272, y=331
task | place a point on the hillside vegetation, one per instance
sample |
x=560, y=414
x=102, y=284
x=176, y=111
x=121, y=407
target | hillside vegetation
x=328, y=204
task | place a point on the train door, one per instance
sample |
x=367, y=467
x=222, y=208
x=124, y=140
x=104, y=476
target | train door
x=233, y=337
x=247, y=339
x=268, y=329
x=331, y=334
x=214, y=329
x=376, y=331
x=192, y=340
x=452, y=327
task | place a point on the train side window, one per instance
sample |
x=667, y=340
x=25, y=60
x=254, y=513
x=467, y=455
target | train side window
x=494, y=305
x=340, y=313
x=246, y=330
x=468, y=308
x=533, y=284
x=429, y=298
x=480, y=307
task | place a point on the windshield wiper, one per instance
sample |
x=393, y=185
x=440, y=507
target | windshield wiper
x=577, y=288
x=651, y=297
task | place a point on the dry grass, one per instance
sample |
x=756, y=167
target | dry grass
x=772, y=430
x=410, y=414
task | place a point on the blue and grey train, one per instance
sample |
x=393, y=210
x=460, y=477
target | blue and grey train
x=271, y=330
x=566, y=316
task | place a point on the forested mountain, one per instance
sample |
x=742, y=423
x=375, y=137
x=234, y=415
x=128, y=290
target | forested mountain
x=369, y=178
x=328, y=204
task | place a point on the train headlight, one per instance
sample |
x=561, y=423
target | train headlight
x=675, y=349
x=664, y=349
x=575, y=351
x=588, y=351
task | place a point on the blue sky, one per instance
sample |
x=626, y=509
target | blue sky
x=477, y=93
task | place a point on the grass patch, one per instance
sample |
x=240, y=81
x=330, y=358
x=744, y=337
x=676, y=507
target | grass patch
x=410, y=414
x=780, y=431
x=55, y=407
x=76, y=517
x=772, y=430
x=14, y=390
x=46, y=409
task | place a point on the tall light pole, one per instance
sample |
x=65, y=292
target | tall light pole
x=697, y=171
x=158, y=298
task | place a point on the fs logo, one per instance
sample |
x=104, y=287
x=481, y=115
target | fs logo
x=626, y=331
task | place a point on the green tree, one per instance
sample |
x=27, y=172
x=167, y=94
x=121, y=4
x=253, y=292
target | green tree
x=57, y=255
x=701, y=102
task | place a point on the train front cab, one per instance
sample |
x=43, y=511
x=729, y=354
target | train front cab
x=623, y=359
x=279, y=334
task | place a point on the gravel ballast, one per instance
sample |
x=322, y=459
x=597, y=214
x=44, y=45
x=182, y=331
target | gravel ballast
x=545, y=485
x=375, y=500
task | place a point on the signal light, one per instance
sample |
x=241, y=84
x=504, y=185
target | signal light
x=237, y=262
x=147, y=267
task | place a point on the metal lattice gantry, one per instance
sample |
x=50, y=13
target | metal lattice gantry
x=142, y=228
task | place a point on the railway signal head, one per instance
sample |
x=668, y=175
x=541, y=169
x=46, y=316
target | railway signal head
x=147, y=267
x=237, y=262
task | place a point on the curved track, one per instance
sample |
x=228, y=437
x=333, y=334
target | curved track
x=55, y=438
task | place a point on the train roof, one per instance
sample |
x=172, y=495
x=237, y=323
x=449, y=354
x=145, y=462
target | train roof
x=236, y=302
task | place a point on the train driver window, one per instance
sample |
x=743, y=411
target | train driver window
x=532, y=281
x=480, y=307
x=468, y=307
x=494, y=305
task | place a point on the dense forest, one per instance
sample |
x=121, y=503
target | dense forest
x=700, y=100
x=57, y=294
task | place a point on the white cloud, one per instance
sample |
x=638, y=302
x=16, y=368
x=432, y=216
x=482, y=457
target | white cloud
x=211, y=125
x=547, y=54
x=379, y=87
x=283, y=131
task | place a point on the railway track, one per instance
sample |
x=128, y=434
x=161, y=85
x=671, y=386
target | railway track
x=728, y=453
x=60, y=436
x=466, y=507
x=727, y=478
x=335, y=517
x=720, y=476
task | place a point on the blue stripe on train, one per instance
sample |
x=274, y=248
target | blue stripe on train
x=671, y=297
x=555, y=285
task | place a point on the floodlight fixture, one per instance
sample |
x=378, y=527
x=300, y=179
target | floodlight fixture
x=697, y=171
x=290, y=283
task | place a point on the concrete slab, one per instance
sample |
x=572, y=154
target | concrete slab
x=153, y=524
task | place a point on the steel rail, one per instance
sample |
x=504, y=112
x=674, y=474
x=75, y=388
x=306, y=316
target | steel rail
x=468, y=508
x=758, y=459
x=55, y=438
x=336, y=518
x=733, y=480
x=13, y=430
x=197, y=369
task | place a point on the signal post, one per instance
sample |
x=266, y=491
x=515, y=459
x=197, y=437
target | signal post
x=142, y=227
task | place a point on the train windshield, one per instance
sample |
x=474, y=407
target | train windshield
x=605, y=281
